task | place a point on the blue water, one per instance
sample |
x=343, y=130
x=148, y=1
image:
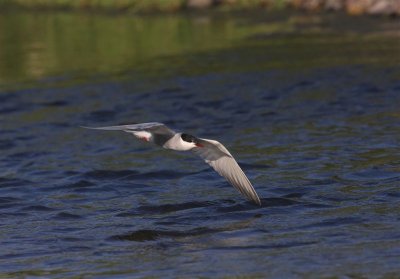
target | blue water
x=319, y=144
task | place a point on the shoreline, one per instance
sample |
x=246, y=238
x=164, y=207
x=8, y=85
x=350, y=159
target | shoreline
x=351, y=7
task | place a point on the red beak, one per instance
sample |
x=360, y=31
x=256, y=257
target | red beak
x=199, y=145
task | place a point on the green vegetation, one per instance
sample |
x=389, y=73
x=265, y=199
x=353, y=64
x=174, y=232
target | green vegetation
x=57, y=46
x=127, y=5
x=387, y=7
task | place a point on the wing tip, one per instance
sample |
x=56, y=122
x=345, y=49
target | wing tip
x=255, y=199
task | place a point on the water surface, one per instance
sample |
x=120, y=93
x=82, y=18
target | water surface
x=309, y=106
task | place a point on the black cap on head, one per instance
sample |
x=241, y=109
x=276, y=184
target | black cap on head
x=188, y=138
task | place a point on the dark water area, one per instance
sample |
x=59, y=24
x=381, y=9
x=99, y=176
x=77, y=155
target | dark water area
x=309, y=106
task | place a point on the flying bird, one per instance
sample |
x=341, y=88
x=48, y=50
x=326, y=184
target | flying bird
x=212, y=151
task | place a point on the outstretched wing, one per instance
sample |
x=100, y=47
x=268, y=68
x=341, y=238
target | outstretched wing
x=218, y=157
x=131, y=127
x=159, y=132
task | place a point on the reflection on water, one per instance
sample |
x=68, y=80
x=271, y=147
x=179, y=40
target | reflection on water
x=36, y=46
x=310, y=111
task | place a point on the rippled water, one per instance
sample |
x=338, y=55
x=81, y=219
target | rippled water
x=312, y=118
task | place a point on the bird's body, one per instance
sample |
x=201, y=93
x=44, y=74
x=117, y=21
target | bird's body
x=178, y=144
x=213, y=152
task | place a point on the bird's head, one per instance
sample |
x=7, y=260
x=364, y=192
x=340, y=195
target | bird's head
x=191, y=139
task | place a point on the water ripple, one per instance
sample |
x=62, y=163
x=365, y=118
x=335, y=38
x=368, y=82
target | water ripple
x=265, y=247
x=149, y=235
x=167, y=208
x=13, y=182
x=66, y=216
x=134, y=175
x=37, y=208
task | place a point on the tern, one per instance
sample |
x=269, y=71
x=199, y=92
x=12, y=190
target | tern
x=212, y=151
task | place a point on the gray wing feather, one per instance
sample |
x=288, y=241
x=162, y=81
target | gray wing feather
x=222, y=161
x=161, y=133
x=130, y=127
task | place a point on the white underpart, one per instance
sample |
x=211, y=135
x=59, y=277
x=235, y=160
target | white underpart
x=143, y=135
x=177, y=143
